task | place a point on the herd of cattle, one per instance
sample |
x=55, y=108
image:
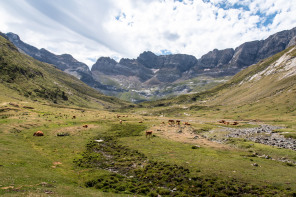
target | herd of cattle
x=228, y=123
x=148, y=133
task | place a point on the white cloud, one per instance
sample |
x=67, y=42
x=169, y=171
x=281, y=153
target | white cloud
x=93, y=28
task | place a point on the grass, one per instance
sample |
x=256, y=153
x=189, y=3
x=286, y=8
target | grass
x=207, y=161
x=38, y=166
x=146, y=174
x=52, y=157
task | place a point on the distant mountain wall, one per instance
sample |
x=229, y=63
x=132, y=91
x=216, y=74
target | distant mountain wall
x=150, y=70
x=170, y=68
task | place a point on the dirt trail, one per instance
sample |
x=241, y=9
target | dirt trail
x=184, y=133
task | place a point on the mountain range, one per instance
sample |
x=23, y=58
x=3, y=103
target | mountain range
x=151, y=76
x=263, y=90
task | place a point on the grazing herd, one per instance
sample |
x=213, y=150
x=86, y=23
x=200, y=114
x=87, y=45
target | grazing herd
x=148, y=133
x=228, y=123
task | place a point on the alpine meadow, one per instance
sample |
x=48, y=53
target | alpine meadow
x=161, y=124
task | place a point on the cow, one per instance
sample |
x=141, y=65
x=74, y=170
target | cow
x=171, y=122
x=120, y=121
x=74, y=117
x=222, y=121
x=85, y=126
x=235, y=123
x=140, y=121
x=148, y=133
x=178, y=122
x=186, y=123
x=118, y=116
x=38, y=133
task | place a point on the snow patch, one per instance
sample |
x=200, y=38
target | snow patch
x=155, y=70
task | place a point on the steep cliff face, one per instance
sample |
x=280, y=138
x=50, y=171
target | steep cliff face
x=215, y=58
x=166, y=68
x=252, y=52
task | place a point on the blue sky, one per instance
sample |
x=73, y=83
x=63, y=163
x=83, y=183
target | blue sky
x=90, y=29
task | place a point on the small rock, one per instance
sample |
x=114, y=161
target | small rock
x=267, y=157
x=195, y=147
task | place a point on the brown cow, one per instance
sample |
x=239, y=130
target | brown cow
x=38, y=133
x=178, y=122
x=140, y=121
x=186, y=123
x=235, y=123
x=118, y=116
x=171, y=122
x=148, y=133
x=222, y=121
x=85, y=126
x=74, y=117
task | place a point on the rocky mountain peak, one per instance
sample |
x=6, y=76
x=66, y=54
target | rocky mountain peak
x=148, y=59
x=103, y=63
x=216, y=58
x=13, y=36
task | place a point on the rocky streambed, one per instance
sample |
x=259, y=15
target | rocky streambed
x=263, y=134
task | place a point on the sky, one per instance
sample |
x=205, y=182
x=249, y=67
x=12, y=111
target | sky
x=90, y=29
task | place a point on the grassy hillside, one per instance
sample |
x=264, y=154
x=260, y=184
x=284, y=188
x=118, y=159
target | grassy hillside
x=43, y=82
